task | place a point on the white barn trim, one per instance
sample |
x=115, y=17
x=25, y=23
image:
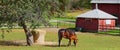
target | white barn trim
x=96, y=13
x=106, y=1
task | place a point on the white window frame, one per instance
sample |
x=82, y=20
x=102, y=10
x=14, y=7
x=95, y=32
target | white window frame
x=108, y=22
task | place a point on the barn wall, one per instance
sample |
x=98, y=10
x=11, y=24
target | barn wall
x=109, y=8
x=104, y=26
x=87, y=25
x=112, y=9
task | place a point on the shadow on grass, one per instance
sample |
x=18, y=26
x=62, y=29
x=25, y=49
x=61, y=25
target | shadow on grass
x=56, y=46
x=11, y=43
x=59, y=46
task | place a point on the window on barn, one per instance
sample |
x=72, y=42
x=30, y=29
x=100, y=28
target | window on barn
x=108, y=21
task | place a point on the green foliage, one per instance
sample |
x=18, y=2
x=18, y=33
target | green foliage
x=75, y=4
x=32, y=11
x=36, y=12
x=81, y=4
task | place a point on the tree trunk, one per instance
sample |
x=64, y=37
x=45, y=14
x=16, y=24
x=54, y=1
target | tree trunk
x=29, y=36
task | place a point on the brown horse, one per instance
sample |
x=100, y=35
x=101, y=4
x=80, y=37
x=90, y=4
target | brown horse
x=68, y=34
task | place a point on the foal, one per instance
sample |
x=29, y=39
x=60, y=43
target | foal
x=68, y=34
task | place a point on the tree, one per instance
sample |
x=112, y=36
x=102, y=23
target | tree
x=84, y=3
x=33, y=12
x=78, y=4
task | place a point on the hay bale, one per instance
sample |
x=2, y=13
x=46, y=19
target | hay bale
x=38, y=36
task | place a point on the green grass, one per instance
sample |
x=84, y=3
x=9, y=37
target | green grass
x=64, y=19
x=112, y=32
x=86, y=41
x=16, y=34
x=75, y=13
x=72, y=15
x=64, y=22
x=63, y=25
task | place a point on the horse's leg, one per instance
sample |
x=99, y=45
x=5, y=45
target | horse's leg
x=74, y=42
x=59, y=40
x=69, y=43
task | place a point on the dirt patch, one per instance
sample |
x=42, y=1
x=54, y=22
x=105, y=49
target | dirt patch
x=53, y=44
x=49, y=43
x=13, y=43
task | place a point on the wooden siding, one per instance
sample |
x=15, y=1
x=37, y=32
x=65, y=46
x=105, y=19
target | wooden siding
x=90, y=25
x=104, y=26
x=94, y=25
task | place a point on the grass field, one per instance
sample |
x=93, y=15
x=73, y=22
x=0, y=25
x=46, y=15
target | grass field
x=76, y=13
x=70, y=17
x=86, y=41
x=111, y=32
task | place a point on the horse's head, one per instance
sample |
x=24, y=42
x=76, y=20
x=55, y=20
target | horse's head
x=76, y=40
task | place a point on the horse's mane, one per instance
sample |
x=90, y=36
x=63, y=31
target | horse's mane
x=70, y=31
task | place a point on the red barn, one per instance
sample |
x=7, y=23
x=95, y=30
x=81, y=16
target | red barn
x=110, y=6
x=95, y=20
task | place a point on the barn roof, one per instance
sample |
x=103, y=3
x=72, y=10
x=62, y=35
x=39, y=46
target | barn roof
x=106, y=1
x=96, y=13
